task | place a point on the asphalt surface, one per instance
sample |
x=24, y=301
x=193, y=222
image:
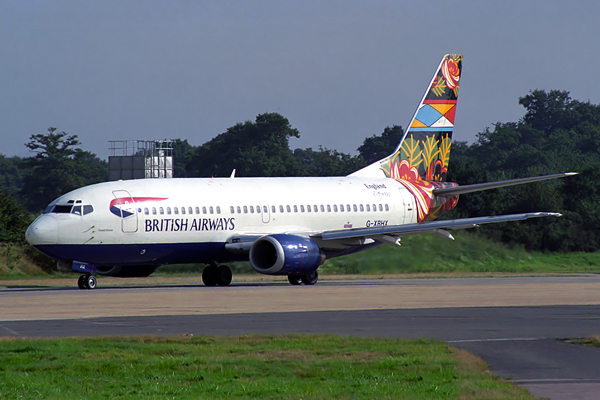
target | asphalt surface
x=520, y=342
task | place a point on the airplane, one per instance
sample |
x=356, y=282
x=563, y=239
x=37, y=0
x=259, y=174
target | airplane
x=282, y=226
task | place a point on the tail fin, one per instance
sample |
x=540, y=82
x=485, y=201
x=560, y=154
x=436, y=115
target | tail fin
x=424, y=151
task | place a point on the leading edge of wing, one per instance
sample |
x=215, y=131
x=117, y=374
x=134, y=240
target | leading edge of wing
x=428, y=227
x=477, y=187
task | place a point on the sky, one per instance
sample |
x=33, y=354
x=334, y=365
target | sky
x=340, y=71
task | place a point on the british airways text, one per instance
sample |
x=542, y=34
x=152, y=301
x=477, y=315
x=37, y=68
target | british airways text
x=184, y=224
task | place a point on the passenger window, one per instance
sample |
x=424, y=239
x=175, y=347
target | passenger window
x=361, y=208
x=88, y=209
x=211, y=210
x=342, y=208
x=76, y=210
x=258, y=209
x=354, y=208
x=161, y=211
x=176, y=210
x=328, y=208
x=295, y=209
x=380, y=207
x=308, y=208
x=232, y=210
x=203, y=210
x=374, y=207
x=368, y=208
x=281, y=209
x=218, y=210
x=239, y=210
x=335, y=209
x=183, y=210
x=315, y=208
x=301, y=208
x=146, y=211
x=168, y=210
x=197, y=210
x=273, y=209
x=387, y=208
x=266, y=210
x=153, y=210
x=288, y=209
x=322, y=208
x=190, y=211
x=251, y=209
x=245, y=210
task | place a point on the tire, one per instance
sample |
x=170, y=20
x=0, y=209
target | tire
x=91, y=282
x=209, y=276
x=311, y=278
x=295, y=279
x=223, y=275
x=81, y=282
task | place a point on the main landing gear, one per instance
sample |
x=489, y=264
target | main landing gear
x=87, y=282
x=216, y=275
x=309, y=279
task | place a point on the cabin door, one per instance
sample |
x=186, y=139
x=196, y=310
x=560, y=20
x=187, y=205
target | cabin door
x=408, y=203
x=126, y=208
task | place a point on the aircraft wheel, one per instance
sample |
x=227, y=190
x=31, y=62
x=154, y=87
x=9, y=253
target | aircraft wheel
x=311, y=278
x=295, y=279
x=209, y=275
x=90, y=282
x=81, y=282
x=224, y=275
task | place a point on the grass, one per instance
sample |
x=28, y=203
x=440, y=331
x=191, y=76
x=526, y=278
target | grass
x=245, y=367
x=593, y=341
x=470, y=253
x=422, y=254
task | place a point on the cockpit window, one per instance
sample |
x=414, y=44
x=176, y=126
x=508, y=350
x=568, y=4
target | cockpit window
x=62, y=209
x=70, y=209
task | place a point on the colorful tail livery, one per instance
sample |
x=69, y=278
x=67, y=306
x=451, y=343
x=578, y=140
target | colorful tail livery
x=420, y=162
x=283, y=226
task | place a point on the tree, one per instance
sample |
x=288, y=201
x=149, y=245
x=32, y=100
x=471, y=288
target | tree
x=14, y=219
x=11, y=174
x=58, y=167
x=375, y=148
x=325, y=162
x=259, y=148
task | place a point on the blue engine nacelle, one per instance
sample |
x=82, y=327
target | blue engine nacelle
x=285, y=254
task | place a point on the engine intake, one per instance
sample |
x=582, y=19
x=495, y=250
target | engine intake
x=285, y=254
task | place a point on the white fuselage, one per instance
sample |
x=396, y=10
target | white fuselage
x=190, y=219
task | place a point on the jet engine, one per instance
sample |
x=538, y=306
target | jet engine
x=128, y=271
x=283, y=254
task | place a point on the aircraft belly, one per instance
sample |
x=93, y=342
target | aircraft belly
x=143, y=254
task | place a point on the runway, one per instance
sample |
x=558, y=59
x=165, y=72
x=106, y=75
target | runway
x=516, y=324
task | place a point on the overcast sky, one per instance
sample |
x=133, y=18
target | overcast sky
x=338, y=70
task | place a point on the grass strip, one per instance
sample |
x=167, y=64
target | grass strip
x=245, y=367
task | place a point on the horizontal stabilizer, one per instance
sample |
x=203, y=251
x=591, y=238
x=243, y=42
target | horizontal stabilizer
x=494, y=185
x=428, y=227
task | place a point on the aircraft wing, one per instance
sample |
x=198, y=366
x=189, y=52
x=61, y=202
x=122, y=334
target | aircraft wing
x=385, y=233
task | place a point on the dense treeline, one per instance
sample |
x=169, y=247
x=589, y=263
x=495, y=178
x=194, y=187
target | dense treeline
x=556, y=134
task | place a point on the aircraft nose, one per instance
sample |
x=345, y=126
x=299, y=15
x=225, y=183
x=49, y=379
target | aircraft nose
x=43, y=230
